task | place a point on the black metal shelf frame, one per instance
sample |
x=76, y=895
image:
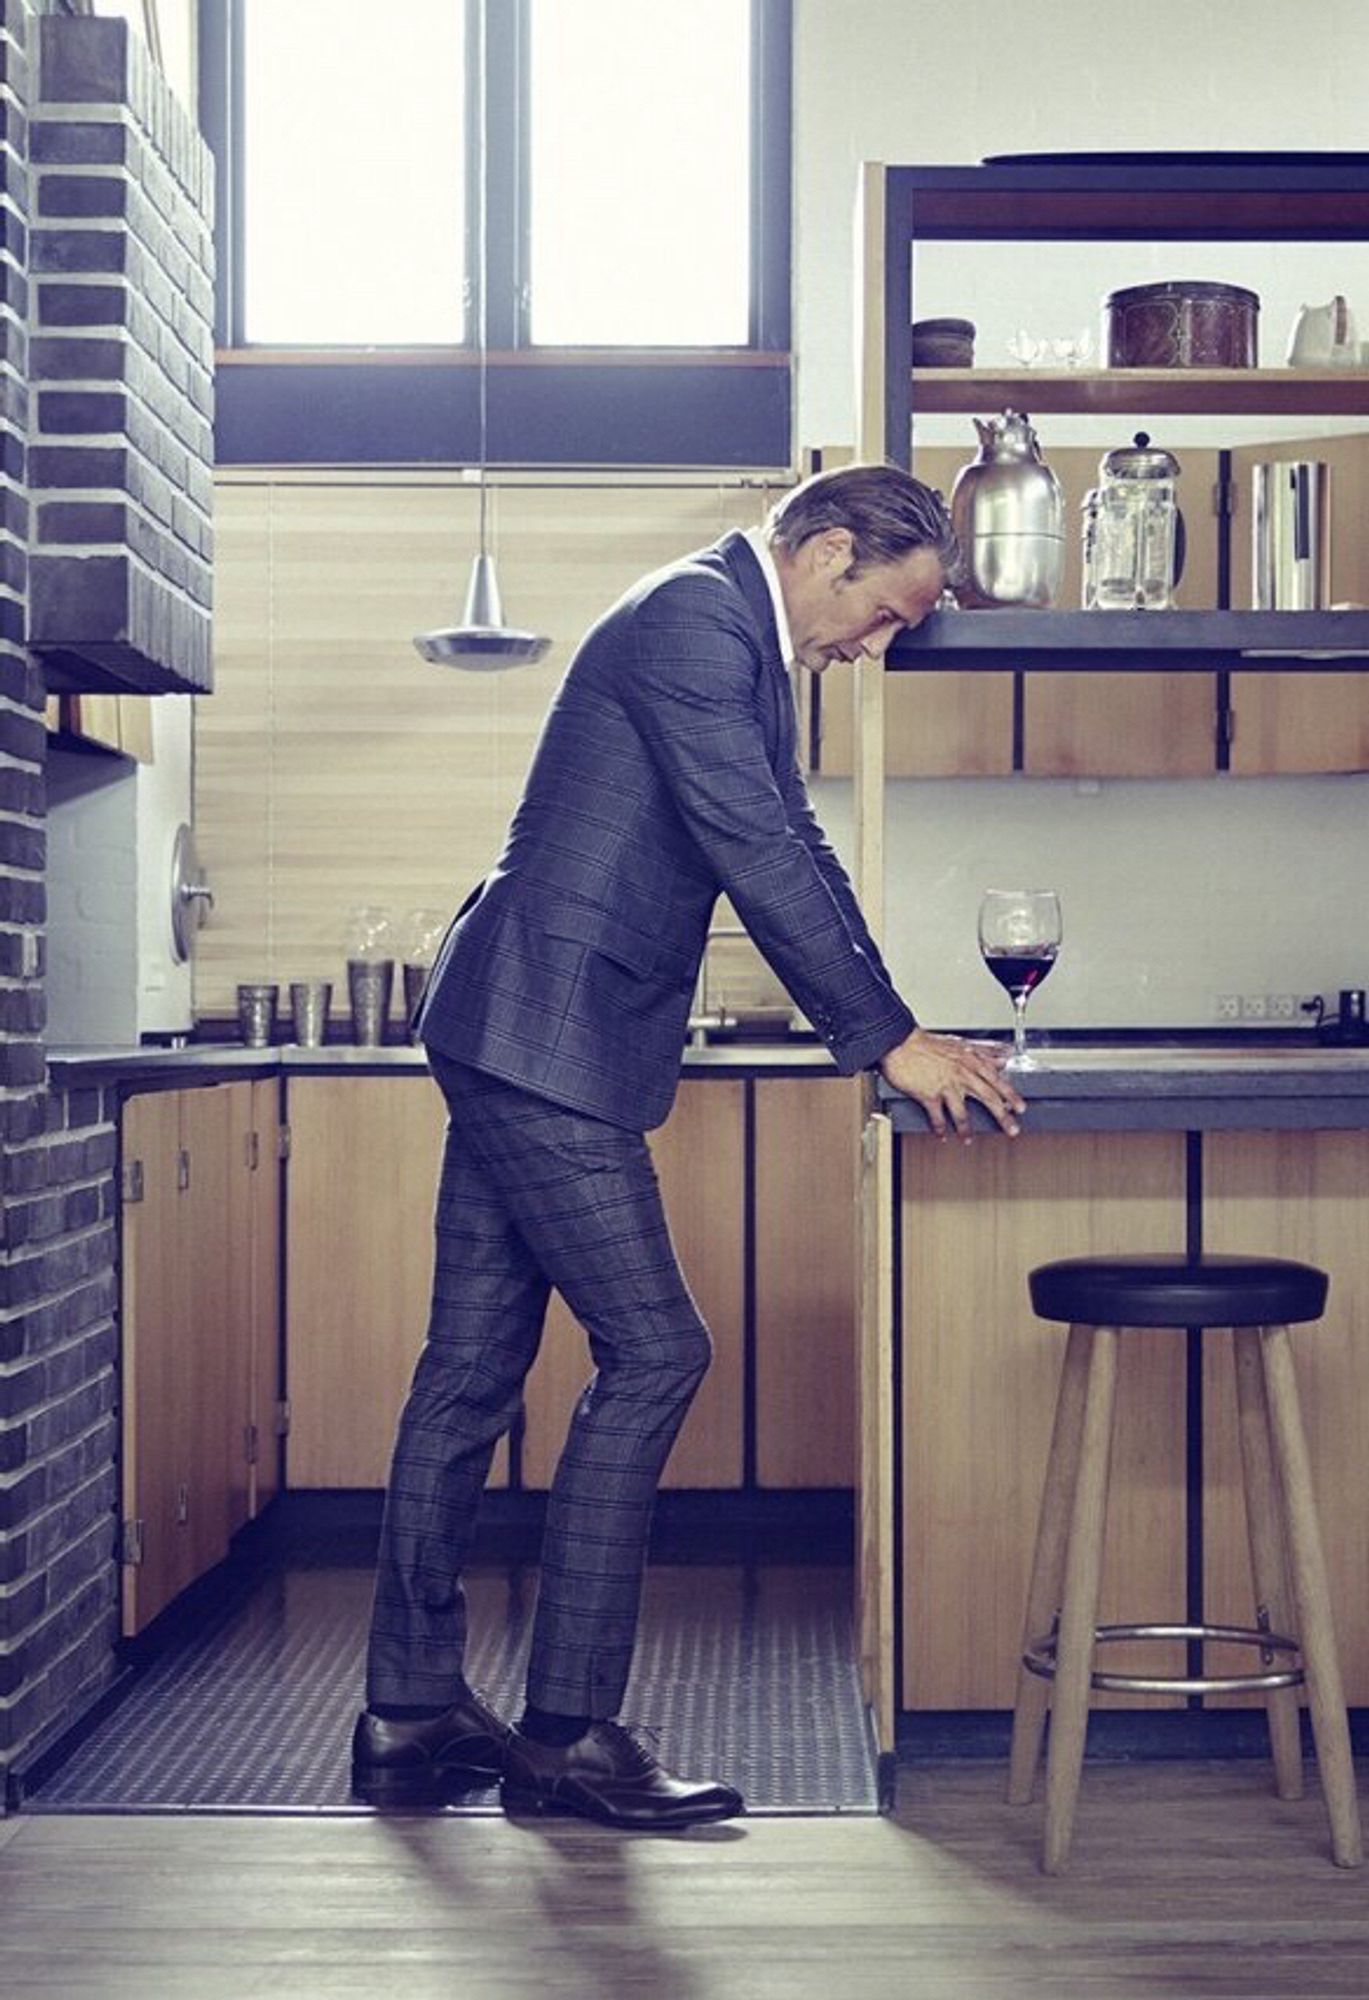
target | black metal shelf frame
x=1157, y=198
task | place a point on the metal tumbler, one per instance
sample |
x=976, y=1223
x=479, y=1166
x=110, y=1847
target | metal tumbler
x=310, y=1000
x=369, y=981
x=257, y=1001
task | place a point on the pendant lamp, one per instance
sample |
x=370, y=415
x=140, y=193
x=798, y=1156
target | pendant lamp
x=482, y=642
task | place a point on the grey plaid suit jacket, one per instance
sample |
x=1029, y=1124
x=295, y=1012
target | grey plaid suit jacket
x=666, y=773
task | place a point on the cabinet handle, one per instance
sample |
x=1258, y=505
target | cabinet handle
x=182, y=1170
x=182, y=1505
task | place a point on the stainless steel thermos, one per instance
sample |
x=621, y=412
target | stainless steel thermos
x=1008, y=512
x=1290, y=557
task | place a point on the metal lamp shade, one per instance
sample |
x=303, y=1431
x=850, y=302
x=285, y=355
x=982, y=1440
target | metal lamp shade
x=482, y=642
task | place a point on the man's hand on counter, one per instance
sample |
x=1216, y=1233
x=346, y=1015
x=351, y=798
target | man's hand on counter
x=941, y=1071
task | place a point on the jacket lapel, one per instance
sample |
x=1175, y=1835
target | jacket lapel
x=778, y=696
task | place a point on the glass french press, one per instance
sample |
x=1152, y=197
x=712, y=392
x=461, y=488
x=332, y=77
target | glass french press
x=1133, y=544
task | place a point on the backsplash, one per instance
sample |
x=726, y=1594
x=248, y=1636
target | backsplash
x=1173, y=892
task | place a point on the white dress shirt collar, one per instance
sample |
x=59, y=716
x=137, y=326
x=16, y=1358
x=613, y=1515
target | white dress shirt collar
x=760, y=548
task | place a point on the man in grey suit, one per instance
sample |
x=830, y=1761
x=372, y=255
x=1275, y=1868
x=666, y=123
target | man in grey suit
x=666, y=774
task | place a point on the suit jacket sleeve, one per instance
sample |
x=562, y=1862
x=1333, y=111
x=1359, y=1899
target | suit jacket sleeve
x=694, y=689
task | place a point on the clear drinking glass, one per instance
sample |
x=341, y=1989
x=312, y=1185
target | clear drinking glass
x=1019, y=936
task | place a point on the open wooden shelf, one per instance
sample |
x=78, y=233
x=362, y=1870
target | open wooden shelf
x=1136, y=642
x=1144, y=391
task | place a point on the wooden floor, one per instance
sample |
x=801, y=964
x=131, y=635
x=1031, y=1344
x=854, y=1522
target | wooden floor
x=1186, y=1880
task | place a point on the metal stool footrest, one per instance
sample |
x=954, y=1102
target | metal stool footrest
x=1039, y=1659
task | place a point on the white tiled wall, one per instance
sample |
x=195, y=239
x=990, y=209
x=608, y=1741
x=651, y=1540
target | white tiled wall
x=1173, y=892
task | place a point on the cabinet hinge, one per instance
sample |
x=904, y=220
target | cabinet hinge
x=253, y=1150
x=284, y=1152
x=182, y=1170
x=131, y=1181
x=283, y=1419
x=251, y=1443
x=130, y=1543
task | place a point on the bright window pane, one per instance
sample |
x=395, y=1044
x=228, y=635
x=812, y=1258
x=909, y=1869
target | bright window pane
x=354, y=172
x=640, y=173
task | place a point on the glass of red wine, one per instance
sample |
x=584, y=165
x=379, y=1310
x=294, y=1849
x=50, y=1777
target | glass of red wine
x=1019, y=936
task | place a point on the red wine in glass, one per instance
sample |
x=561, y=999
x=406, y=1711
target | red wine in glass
x=1019, y=936
x=1019, y=973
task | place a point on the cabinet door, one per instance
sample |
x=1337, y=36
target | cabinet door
x=1144, y=725
x=700, y=1162
x=213, y=1347
x=805, y=1209
x=365, y=1154
x=158, y=1387
x=265, y=1390
x=1305, y=721
x=876, y=1545
x=186, y=1345
x=1301, y=1195
x=979, y=1381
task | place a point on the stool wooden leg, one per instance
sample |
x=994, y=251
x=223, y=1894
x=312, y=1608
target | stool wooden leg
x=1267, y=1565
x=1312, y=1597
x=1079, y=1604
x=1048, y=1561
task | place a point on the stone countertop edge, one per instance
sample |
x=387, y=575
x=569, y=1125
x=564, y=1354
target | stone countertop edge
x=210, y=1062
x=1164, y=1087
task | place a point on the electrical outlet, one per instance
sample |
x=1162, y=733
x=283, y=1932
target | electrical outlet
x=1254, y=1007
x=1228, y=1007
x=1282, y=1006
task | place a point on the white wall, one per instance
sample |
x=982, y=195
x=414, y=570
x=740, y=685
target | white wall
x=1173, y=892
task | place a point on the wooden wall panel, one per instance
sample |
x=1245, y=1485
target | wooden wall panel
x=334, y=767
x=1301, y=1195
x=979, y=1380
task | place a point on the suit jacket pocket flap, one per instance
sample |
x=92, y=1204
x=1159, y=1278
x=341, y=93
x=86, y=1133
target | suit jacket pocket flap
x=600, y=930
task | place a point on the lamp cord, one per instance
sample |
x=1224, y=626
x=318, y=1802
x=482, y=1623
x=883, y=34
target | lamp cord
x=482, y=252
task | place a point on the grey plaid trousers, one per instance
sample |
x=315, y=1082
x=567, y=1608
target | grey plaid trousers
x=534, y=1196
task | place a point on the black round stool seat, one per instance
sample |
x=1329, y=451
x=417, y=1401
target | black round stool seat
x=1178, y=1291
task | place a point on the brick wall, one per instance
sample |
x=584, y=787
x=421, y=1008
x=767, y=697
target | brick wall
x=120, y=366
x=148, y=518
x=58, y=1421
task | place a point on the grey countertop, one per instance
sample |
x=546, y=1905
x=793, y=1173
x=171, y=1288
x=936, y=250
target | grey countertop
x=1122, y=1083
x=210, y=1062
x=1170, y=1085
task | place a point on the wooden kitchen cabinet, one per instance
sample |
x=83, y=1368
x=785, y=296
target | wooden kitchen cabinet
x=805, y=1253
x=364, y=1159
x=1304, y=722
x=365, y=1153
x=979, y=1379
x=199, y=1323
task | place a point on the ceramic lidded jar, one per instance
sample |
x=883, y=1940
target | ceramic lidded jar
x=1009, y=514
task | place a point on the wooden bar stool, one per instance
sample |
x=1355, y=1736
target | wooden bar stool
x=1258, y=1298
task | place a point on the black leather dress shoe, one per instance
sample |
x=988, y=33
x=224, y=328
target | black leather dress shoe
x=426, y=1761
x=607, y=1775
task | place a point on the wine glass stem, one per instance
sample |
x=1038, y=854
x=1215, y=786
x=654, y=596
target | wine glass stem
x=1019, y=1026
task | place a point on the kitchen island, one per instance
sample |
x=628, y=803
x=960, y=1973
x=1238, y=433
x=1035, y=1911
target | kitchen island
x=1216, y=1145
